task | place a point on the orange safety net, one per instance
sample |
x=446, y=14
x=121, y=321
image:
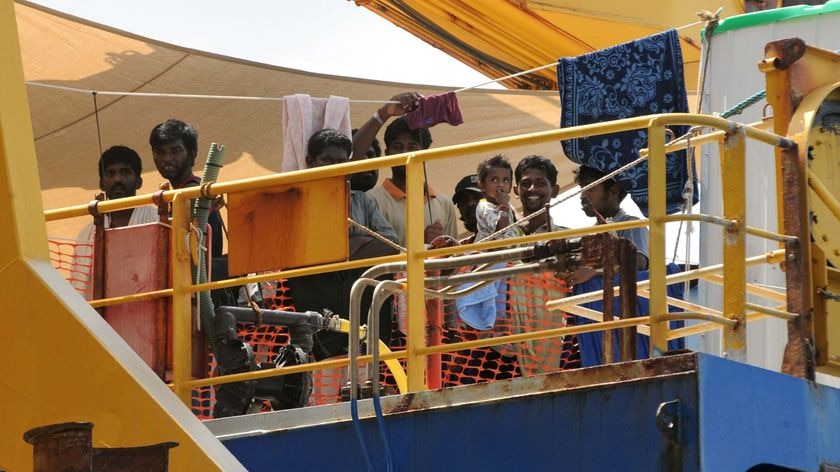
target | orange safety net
x=73, y=260
x=525, y=298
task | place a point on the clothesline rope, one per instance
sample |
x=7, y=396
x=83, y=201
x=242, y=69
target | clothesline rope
x=177, y=95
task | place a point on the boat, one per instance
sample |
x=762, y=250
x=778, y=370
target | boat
x=734, y=408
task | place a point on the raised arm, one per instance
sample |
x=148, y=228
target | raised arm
x=402, y=103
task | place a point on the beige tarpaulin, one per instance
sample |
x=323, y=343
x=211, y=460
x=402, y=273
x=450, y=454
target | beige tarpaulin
x=70, y=52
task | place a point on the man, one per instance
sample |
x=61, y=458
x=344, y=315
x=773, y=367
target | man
x=536, y=184
x=120, y=171
x=364, y=181
x=331, y=290
x=603, y=202
x=466, y=198
x=174, y=148
x=119, y=177
x=439, y=212
x=535, y=179
x=330, y=146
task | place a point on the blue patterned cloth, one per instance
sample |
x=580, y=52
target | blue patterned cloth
x=638, y=78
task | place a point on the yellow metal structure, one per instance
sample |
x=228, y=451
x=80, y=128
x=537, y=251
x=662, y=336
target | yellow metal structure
x=84, y=372
x=802, y=88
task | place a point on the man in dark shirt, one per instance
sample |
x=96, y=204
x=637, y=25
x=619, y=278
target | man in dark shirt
x=174, y=148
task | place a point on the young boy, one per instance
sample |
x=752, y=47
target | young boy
x=495, y=179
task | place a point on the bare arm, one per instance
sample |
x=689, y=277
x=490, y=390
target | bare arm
x=407, y=101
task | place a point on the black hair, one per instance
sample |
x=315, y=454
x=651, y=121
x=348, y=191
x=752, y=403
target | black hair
x=377, y=149
x=400, y=126
x=171, y=130
x=591, y=174
x=120, y=155
x=325, y=138
x=496, y=161
x=536, y=162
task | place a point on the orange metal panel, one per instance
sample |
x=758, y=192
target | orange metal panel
x=288, y=226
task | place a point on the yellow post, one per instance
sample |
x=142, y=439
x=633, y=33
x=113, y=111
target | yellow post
x=416, y=369
x=656, y=209
x=734, y=244
x=181, y=306
x=61, y=341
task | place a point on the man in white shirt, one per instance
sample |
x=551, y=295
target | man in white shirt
x=119, y=177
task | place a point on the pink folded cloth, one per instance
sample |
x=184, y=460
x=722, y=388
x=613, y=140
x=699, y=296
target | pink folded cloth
x=436, y=109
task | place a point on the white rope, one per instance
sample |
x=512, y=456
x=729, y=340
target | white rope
x=554, y=64
x=177, y=95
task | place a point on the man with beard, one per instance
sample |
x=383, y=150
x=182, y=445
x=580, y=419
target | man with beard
x=364, y=181
x=536, y=184
x=390, y=196
x=174, y=148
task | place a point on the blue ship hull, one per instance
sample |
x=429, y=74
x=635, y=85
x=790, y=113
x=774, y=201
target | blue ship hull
x=690, y=412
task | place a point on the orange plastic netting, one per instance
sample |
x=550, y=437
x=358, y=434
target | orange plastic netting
x=525, y=298
x=73, y=260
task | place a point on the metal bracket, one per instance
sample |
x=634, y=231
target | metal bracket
x=668, y=420
x=828, y=294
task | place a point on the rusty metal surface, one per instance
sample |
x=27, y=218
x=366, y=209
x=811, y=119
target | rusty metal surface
x=64, y=447
x=799, y=352
x=67, y=447
x=628, y=293
x=610, y=258
x=784, y=52
x=154, y=458
x=498, y=391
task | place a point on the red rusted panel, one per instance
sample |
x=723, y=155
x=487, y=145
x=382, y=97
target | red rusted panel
x=132, y=266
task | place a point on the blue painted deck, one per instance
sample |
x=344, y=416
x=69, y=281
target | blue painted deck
x=730, y=416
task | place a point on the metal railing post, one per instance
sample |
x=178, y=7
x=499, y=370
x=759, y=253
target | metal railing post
x=656, y=209
x=733, y=168
x=181, y=306
x=414, y=272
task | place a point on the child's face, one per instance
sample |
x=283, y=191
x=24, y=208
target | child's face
x=498, y=181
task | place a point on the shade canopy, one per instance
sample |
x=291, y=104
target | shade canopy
x=503, y=37
x=70, y=52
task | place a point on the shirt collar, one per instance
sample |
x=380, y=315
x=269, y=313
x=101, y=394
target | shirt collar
x=398, y=194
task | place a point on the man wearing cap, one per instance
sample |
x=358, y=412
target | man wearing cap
x=466, y=198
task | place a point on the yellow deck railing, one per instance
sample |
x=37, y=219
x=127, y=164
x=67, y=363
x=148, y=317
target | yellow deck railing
x=730, y=136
